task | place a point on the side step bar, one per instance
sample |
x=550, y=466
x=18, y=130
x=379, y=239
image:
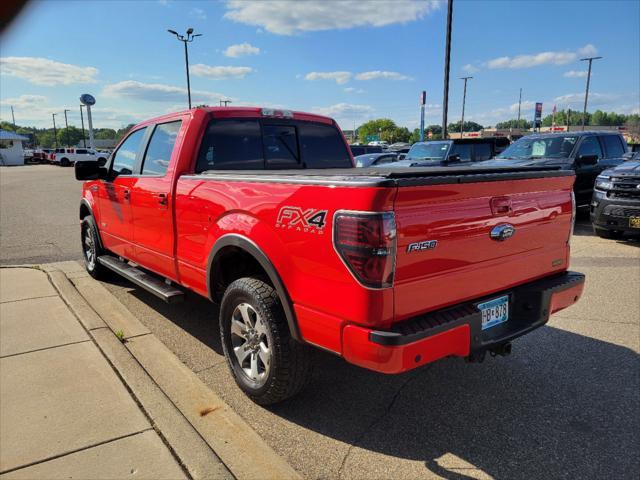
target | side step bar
x=150, y=283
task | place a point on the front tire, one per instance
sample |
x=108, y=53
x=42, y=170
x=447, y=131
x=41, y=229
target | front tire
x=64, y=162
x=266, y=363
x=91, y=249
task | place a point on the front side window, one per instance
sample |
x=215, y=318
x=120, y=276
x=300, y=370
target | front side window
x=613, y=146
x=124, y=160
x=231, y=145
x=590, y=146
x=156, y=159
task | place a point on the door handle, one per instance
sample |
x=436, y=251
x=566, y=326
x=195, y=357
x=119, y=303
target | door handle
x=127, y=194
x=501, y=206
x=163, y=199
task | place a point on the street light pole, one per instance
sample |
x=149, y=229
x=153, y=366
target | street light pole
x=188, y=38
x=447, y=57
x=66, y=126
x=55, y=132
x=84, y=139
x=519, y=105
x=464, y=99
x=586, y=93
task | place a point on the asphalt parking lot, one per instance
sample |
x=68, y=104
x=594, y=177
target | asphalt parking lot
x=565, y=404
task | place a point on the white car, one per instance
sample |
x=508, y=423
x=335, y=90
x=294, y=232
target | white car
x=68, y=156
x=379, y=143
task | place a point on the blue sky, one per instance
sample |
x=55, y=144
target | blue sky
x=353, y=60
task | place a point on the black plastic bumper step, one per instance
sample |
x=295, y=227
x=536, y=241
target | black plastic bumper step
x=149, y=282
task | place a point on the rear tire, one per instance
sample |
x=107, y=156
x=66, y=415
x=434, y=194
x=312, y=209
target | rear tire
x=609, y=234
x=265, y=361
x=91, y=249
x=64, y=162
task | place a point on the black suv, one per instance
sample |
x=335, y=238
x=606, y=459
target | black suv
x=586, y=153
x=615, y=207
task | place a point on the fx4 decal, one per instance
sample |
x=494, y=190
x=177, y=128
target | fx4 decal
x=308, y=220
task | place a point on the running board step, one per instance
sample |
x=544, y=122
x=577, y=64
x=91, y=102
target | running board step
x=150, y=283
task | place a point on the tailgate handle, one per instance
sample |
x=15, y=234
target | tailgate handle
x=501, y=206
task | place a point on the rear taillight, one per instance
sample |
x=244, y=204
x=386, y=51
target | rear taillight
x=366, y=243
x=573, y=216
x=53, y=156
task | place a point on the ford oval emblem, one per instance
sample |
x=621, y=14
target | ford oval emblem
x=503, y=231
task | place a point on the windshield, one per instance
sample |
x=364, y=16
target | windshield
x=531, y=148
x=428, y=151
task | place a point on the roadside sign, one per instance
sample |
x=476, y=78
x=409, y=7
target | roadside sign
x=537, y=119
x=373, y=138
x=423, y=98
x=430, y=134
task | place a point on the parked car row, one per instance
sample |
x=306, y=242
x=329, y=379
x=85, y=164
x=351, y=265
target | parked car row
x=67, y=156
x=593, y=156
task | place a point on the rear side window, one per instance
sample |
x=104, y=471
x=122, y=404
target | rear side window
x=231, y=145
x=156, y=160
x=482, y=151
x=81, y=151
x=613, y=146
x=322, y=146
x=124, y=160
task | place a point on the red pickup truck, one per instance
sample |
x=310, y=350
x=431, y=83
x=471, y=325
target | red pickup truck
x=261, y=211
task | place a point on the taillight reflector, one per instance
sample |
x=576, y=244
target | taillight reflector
x=366, y=243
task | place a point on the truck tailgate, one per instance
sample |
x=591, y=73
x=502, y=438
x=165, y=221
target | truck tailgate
x=446, y=253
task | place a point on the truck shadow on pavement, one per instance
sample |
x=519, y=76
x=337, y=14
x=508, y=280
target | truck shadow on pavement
x=562, y=405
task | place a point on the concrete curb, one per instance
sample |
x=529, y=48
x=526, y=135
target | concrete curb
x=200, y=427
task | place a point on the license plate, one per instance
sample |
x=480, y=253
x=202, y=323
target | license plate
x=634, y=222
x=494, y=312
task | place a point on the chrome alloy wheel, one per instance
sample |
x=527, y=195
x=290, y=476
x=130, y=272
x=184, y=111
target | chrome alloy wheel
x=89, y=248
x=250, y=343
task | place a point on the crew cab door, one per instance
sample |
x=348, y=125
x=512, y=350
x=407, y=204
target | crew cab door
x=586, y=173
x=114, y=196
x=152, y=201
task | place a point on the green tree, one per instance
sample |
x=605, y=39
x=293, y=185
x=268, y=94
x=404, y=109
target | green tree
x=381, y=126
x=106, y=134
x=513, y=123
x=468, y=127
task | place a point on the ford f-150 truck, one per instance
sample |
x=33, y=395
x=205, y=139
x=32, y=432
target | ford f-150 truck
x=263, y=212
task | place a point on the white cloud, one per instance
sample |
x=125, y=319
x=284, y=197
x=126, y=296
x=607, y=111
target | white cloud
x=575, y=74
x=25, y=101
x=353, y=90
x=285, y=17
x=219, y=72
x=542, y=58
x=469, y=68
x=198, y=13
x=526, y=105
x=42, y=71
x=377, y=74
x=339, y=77
x=595, y=99
x=588, y=50
x=241, y=50
x=157, y=92
x=344, y=110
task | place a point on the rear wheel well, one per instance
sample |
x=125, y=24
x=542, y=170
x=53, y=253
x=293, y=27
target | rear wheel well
x=230, y=264
x=84, y=211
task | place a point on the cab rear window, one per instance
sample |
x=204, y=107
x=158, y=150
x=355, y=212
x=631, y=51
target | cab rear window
x=257, y=144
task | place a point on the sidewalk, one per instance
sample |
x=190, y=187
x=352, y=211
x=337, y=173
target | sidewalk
x=64, y=412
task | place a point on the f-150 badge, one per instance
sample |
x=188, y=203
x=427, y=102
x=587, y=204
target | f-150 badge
x=420, y=246
x=307, y=220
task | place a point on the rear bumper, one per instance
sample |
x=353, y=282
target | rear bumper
x=457, y=331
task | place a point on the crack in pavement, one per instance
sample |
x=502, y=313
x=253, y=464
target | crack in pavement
x=378, y=419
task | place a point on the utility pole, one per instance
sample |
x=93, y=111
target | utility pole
x=55, y=132
x=464, y=99
x=423, y=101
x=226, y=102
x=84, y=139
x=568, y=118
x=586, y=93
x=519, y=105
x=13, y=118
x=66, y=126
x=188, y=38
x=447, y=57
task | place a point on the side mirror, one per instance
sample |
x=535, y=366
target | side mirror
x=89, y=170
x=587, y=159
x=454, y=157
x=628, y=156
x=402, y=156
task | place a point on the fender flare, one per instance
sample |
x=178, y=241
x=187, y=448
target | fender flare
x=256, y=252
x=85, y=203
